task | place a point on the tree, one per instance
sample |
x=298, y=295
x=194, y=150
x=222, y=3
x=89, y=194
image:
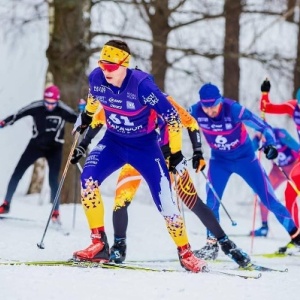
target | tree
x=232, y=10
x=182, y=43
x=292, y=18
x=68, y=55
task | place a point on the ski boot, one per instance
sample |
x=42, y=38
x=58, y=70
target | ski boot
x=4, y=208
x=289, y=249
x=189, y=261
x=118, y=251
x=262, y=231
x=236, y=254
x=292, y=247
x=209, y=251
x=55, y=217
x=98, y=251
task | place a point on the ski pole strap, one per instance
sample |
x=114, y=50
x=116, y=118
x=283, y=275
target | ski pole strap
x=79, y=167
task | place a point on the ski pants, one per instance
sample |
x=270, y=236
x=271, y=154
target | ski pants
x=277, y=178
x=144, y=154
x=129, y=181
x=250, y=169
x=33, y=152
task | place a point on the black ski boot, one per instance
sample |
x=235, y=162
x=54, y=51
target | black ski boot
x=118, y=251
x=236, y=254
x=292, y=247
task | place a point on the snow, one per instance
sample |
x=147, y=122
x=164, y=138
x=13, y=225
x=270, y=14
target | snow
x=147, y=240
x=23, y=65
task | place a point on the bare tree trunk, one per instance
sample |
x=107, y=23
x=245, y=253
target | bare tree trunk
x=68, y=56
x=291, y=4
x=38, y=174
x=232, y=10
x=297, y=63
x=159, y=25
x=37, y=178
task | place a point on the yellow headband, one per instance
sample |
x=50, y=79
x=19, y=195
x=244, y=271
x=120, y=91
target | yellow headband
x=115, y=55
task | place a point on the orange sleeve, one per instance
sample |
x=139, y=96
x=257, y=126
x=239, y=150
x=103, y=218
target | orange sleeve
x=187, y=120
x=92, y=105
x=98, y=117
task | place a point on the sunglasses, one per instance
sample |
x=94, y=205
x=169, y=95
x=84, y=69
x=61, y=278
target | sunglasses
x=110, y=67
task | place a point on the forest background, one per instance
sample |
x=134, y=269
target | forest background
x=234, y=44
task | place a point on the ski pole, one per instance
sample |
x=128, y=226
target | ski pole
x=75, y=200
x=79, y=167
x=264, y=96
x=178, y=200
x=291, y=182
x=41, y=244
x=233, y=223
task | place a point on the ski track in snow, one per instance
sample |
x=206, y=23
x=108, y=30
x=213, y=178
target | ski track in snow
x=147, y=240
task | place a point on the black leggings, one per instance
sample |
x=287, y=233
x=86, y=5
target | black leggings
x=33, y=152
x=187, y=193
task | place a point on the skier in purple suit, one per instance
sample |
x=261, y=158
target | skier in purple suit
x=131, y=103
x=223, y=121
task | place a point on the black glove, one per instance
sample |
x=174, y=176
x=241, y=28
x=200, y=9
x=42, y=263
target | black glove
x=198, y=161
x=78, y=152
x=177, y=163
x=265, y=86
x=271, y=152
x=165, y=149
x=82, y=123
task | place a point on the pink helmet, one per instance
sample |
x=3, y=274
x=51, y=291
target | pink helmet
x=52, y=92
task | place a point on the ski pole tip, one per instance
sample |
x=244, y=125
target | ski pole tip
x=234, y=223
x=41, y=245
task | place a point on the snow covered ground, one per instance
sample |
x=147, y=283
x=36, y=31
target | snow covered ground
x=147, y=240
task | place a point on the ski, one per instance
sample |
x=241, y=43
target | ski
x=113, y=266
x=15, y=219
x=255, y=267
x=85, y=264
x=252, y=267
x=35, y=263
x=278, y=255
x=245, y=276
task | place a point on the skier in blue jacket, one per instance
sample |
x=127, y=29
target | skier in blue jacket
x=223, y=121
